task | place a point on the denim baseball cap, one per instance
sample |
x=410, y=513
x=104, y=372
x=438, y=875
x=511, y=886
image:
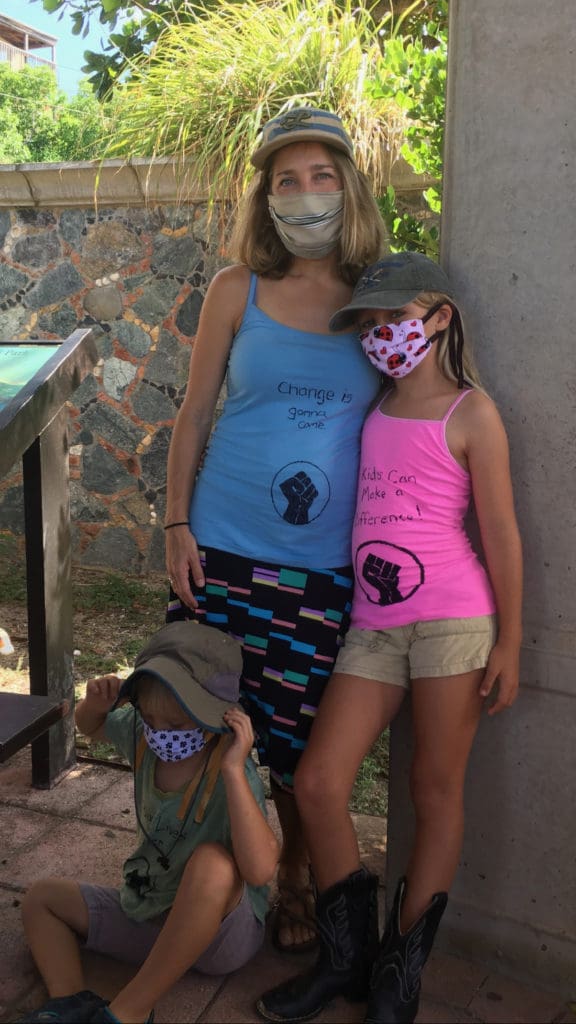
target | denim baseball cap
x=200, y=665
x=392, y=282
x=302, y=124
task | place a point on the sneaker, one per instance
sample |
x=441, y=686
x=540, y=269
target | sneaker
x=75, y=1009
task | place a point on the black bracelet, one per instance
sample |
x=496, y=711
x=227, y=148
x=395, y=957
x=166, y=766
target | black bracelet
x=183, y=522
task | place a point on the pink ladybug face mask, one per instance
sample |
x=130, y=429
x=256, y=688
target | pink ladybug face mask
x=395, y=349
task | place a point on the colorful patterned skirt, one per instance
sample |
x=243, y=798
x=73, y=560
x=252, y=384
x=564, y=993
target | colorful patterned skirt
x=291, y=623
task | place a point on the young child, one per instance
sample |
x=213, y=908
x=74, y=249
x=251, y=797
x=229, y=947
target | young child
x=194, y=890
x=427, y=618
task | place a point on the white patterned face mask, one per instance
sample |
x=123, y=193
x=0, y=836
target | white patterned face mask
x=174, y=744
x=396, y=349
x=309, y=223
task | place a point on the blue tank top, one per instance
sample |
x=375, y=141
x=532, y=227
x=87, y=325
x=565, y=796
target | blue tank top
x=278, y=481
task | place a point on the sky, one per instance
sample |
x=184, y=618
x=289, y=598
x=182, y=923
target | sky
x=69, y=48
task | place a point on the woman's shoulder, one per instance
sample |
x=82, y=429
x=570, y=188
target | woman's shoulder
x=234, y=278
x=228, y=292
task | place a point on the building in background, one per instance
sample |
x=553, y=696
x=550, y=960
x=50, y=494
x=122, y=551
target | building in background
x=19, y=43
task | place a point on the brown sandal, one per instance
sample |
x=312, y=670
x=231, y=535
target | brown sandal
x=295, y=905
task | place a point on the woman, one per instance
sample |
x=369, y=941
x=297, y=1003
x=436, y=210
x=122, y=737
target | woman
x=258, y=538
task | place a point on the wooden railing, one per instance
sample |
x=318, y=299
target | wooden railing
x=17, y=58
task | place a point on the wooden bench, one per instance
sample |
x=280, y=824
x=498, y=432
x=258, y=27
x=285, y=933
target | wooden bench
x=24, y=717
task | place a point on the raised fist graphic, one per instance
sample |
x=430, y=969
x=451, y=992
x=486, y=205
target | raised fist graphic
x=384, y=576
x=299, y=492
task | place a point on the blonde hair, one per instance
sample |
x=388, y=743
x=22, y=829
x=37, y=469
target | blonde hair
x=447, y=356
x=256, y=243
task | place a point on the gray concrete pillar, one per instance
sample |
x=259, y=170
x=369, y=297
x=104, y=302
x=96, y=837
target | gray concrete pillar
x=509, y=243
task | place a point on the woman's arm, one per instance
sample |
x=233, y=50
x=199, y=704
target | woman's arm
x=220, y=318
x=489, y=464
x=256, y=849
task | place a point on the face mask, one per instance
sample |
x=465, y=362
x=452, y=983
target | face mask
x=395, y=349
x=174, y=744
x=309, y=223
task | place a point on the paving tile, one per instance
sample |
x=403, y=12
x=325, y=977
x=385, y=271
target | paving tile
x=236, y=999
x=431, y=1012
x=115, y=806
x=18, y=829
x=30, y=1000
x=66, y=798
x=450, y=979
x=502, y=999
x=69, y=849
x=188, y=999
x=17, y=971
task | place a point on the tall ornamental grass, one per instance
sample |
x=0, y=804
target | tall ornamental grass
x=207, y=87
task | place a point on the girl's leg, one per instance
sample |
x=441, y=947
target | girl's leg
x=54, y=913
x=352, y=714
x=210, y=889
x=445, y=712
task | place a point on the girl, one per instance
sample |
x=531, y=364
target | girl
x=426, y=617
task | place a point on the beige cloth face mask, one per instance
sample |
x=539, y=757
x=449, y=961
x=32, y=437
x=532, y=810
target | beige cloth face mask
x=309, y=223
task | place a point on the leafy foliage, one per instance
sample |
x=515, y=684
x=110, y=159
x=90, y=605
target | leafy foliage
x=39, y=123
x=413, y=72
x=131, y=26
x=250, y=61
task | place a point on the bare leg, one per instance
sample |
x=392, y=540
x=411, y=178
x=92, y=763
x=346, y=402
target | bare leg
x=352, y=714
x=54, y=914
x=210, y=889
x=445, y=713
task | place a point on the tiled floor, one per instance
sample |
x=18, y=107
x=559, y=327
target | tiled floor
x=84, y=829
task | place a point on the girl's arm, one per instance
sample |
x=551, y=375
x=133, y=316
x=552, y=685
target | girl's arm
x=90, y=713
x=220, y=318
x=256, y=849
x=489, y=465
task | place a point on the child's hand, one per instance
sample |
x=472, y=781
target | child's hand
x=242, y=740
x=503, y=667
x=102, y=693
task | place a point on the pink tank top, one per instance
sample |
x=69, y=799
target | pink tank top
x=412, y=557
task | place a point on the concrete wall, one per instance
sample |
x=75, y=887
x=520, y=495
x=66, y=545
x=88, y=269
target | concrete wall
x=508, y=241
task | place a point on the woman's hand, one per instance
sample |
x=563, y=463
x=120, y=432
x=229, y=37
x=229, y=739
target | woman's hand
x=241, y=742
x=502, y=668
x=183, y=561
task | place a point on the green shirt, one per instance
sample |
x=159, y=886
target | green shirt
x=149, y=888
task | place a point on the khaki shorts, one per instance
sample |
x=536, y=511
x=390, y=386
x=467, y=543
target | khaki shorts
x=441, y=647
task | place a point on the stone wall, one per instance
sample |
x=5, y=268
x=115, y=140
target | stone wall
x=136, y=272
x=120, y=248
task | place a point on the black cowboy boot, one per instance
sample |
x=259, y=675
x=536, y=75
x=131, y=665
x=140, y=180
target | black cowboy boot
x=395, y=981
x=347, y=921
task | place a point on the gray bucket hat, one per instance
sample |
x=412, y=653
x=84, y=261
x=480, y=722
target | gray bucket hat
x=391, y=283
x=302, y=124
x=201, y=667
